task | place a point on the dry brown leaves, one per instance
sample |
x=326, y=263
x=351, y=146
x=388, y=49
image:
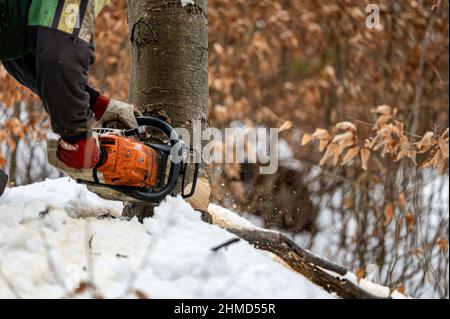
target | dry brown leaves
x=361, y=273
x=389, y=212
x=390, y=140
x=341, y=147
x=410, y=221
x=438, y=152
x=443, y=245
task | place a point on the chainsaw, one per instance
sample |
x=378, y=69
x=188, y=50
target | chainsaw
x=134, y=171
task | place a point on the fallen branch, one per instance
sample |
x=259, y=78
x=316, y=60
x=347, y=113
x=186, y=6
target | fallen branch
x=226, y=244
x=300, y=260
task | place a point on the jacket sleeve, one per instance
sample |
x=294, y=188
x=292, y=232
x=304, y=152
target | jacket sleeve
x=62, y=65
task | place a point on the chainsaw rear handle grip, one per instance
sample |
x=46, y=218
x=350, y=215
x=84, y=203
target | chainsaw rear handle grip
x=175, y=167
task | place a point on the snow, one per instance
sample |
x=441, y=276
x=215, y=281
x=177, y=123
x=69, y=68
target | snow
x=375, y=289
x=54, y=235
x=187, y=2
x=225, y=217
x=63, y=193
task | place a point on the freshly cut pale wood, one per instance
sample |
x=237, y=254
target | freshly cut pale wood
x=200, y=199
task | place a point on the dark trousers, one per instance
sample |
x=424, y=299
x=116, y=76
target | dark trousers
x=57, y=71
x=3, y=181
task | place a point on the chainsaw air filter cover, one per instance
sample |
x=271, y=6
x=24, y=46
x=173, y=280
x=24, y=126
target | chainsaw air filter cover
x=128, y=162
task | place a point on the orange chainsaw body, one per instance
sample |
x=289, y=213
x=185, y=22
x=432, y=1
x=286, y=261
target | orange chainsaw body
x=128, y=162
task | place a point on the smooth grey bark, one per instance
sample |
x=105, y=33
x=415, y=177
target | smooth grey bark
x=169, y=73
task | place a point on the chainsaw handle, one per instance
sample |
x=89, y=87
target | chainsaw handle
x=156, y=197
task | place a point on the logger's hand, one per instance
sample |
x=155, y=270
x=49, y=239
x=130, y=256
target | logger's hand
x=122, y=112
x=83, y=154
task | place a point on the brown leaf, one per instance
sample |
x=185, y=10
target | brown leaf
x=401, y=200
x=357, y=13
x=232, y=170
x=348, y=136
x=399, y=128
x=389, y=211
x=306, y=139
x=410, y=221
x=365, y=155
x=346, y=126
x=382, y=120
x=404, y=148
x=336, y=155
x=429, y=162
x=383, y=110
x=322, y=134
x=2, y=161
x=12, y=144
x=342, y=146
x=82, y=287
x=287, y=125
x=436, y=160
x=330, y=72
x=218, y=48
x=221, y=112
x=322, y=145
x=330, y=152
x=443, y=245
x=111, y=60
x=348, y=203
x=425, y=143
x=350, y=155
x=446, y=134
x=443, y=145
x=401, y=289
x=361, y=273
x=412, y=154
x=140, y=294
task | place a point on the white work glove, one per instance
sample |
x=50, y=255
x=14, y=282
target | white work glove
x=122, y=112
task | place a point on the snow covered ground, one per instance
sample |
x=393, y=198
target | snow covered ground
x=55, y=235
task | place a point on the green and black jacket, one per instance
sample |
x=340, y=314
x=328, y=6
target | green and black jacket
x=75, y=17
x=47, y=46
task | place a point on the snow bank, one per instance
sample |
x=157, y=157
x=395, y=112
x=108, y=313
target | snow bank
x=51, y=239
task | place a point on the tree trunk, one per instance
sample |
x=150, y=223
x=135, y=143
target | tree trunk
x=169, y=73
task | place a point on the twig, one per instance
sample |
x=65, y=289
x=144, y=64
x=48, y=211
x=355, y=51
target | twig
x=88, y=238
x=372, y=125
x=52, y=265
x=10, y=286
x=133, y=277
x=226, y=244
x=420, y=71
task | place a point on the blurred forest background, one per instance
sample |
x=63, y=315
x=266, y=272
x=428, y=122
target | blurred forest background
x=363, y=115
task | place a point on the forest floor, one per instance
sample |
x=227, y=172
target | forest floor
x=59, y=240
x=56, y=234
